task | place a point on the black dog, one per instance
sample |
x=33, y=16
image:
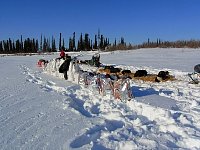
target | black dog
x=140, y=73
x=125, y=71
x=162, y=75
x=115, y=70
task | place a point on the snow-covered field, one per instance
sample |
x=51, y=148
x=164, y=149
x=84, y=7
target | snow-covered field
x=41, y=111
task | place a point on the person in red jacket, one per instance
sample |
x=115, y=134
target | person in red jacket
x=62, y=54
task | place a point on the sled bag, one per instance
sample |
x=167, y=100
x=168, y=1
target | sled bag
x=197, y=68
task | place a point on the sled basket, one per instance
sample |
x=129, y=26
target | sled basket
x=195, y=76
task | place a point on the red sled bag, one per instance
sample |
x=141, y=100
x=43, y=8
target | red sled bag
x=42, y=63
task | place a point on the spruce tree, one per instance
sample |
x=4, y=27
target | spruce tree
x=101, y=42
x=36, y=46
x=148, y=42
x=41, y=44
x=78, y=46
x=122, y=41
x=63, y=44
x=91, y=45
x=48, y=45
x=18, y=46
x=70, y=44
x=6, y=47
x=60, y=42
x=14, y=47
x=1, y=47
x=73, y=42
x=86, y=42
x=53, y=44
x=95, y=46
x=21, y=45
x=44, y=45
x=99, y=39
x=81, y=42
x=10, y=45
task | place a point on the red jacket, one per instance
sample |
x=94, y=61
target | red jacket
x=62, y=53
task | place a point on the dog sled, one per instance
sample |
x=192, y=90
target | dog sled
x=95, y=61
x=195, y=76
x=104, y=84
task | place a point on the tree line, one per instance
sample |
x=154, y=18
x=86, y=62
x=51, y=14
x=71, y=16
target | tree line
x=170, y=44
x=85, y=43
x=29, y=45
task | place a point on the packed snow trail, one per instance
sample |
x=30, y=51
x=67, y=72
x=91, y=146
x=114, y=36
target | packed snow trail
x=31, y=116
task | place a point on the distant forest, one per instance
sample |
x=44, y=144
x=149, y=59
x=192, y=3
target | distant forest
x=84, y=43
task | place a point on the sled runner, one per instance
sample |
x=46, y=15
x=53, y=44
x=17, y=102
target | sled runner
x=195, y=76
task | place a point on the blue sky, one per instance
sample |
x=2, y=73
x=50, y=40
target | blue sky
x=135, y=20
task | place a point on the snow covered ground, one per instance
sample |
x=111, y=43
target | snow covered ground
x=41, y=111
